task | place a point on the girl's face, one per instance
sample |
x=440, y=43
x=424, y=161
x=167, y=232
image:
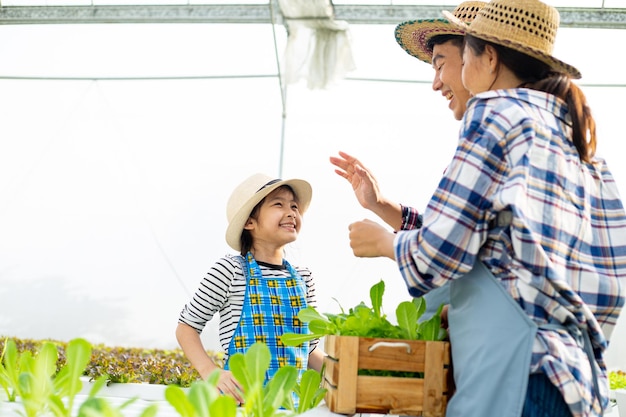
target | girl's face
x=278, y=220
x=477, y=75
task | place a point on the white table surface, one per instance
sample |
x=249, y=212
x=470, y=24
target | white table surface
x=166, y=410
x=323, y=411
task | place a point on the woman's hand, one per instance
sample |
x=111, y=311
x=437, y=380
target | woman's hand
x=368, y=239
x=363, y=183
x=366, y=189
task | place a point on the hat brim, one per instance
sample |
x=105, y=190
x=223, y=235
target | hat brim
x=554, y=63
x=413, y=36
x=301, y=188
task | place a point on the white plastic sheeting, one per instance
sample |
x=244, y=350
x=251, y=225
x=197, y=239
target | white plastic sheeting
x=113, y=192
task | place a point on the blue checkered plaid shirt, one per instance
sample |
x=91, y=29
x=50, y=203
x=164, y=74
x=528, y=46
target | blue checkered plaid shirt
x=563, y=257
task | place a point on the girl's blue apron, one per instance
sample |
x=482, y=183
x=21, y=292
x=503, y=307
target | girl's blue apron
x=491, y=340
x=270, y=308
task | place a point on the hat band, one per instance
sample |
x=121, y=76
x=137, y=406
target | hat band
x=268, y=184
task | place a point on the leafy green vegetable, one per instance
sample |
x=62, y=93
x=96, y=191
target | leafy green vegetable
x=365, y=321
x=309, y=390
x=119, y=364
x=407, y=319
x=9, y=369
x=376, y=295
x=249, y=369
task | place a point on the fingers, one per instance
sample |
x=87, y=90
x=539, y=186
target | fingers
x=342, y=174
x=228, y=385
x=347, y=163
x=351, y=159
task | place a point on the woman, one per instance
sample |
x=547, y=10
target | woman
x=527, y=225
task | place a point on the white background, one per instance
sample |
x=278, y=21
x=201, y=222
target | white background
x=113, y=192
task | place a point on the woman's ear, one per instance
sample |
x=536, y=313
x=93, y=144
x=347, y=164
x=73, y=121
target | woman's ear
x=492, y=58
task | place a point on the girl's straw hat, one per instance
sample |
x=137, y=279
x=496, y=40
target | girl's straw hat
x=527, y=26
x=250, y=193
x=414, y=35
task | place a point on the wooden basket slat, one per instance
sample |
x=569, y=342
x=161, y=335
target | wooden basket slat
x=349, y=393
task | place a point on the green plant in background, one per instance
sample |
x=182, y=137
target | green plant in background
x=153, y=366
x=365, y=321
x=309, y=390
x=48, y=386
x=9, y=369
x=617, y=379
x=34, y=384
x=66, y=382
x=260, y=399
x=36, y=380
x=43, y=389
x=202, y=399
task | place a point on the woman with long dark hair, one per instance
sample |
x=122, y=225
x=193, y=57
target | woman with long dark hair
x=527, y=226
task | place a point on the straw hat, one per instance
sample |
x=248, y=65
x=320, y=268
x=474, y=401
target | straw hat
x=414, y=35
x=250, y=193
x=527, y=26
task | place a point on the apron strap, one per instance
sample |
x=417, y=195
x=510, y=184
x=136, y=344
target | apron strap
x=578, y=331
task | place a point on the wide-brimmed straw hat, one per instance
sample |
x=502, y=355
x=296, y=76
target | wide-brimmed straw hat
x=527, y=26
x=414, y=35
x=250, y=193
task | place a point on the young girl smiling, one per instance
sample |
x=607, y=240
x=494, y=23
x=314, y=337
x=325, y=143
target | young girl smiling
x=257, y=293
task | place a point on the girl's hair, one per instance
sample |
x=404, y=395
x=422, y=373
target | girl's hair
x=539, y=76
x=246, y=237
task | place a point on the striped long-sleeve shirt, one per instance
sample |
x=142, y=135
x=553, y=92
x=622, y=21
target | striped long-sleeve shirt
x=222, y=291
x=563, y=256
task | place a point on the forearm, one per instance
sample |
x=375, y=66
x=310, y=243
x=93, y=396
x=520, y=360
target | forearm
x=189, y=340
x=389, y=212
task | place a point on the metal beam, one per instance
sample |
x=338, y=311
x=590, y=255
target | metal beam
x=27, y=15
x=262, y=14
x=570, y=16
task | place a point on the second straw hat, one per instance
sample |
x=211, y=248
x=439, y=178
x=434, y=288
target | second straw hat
x=413, y=36
x=527, y=26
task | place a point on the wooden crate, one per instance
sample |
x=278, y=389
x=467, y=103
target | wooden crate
x=350, y=393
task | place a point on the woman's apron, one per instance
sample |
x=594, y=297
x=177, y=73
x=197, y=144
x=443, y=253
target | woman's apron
x=270, y=308
x=491, y=340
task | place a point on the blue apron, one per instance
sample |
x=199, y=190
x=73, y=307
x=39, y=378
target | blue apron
x=434, y=299
x=491, y=339
x=270, y=308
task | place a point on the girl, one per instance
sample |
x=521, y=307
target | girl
x=257, y=293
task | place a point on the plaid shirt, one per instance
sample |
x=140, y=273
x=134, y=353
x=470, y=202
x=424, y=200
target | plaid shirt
x=563, y=258
x=411, y=219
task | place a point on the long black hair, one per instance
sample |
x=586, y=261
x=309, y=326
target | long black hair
x=539, y=76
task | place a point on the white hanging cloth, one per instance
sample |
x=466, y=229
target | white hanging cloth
x=318, y=46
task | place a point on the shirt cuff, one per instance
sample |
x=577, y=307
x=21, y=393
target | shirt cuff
x=411, y=219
